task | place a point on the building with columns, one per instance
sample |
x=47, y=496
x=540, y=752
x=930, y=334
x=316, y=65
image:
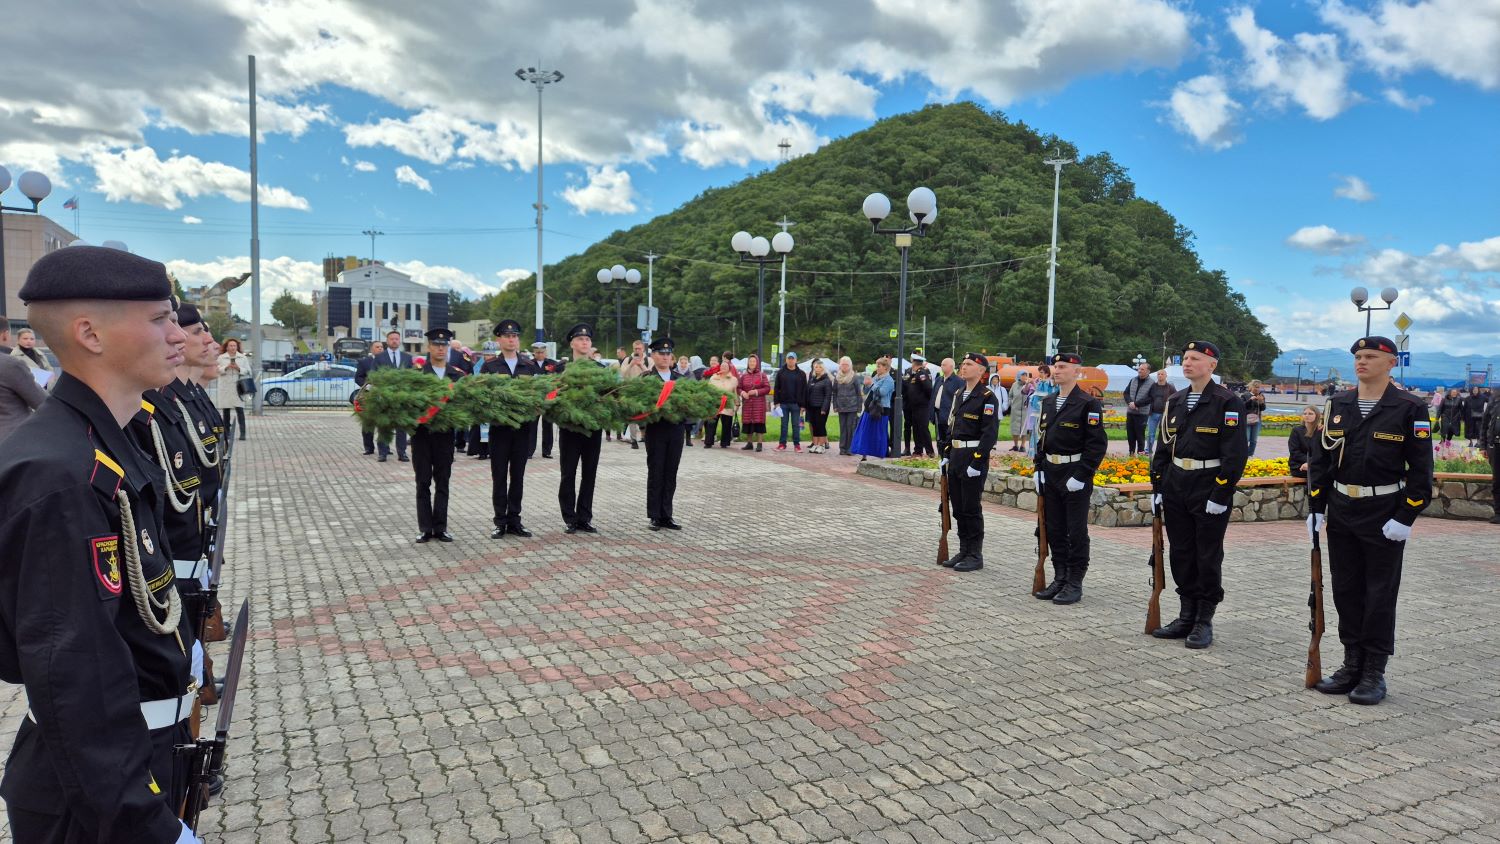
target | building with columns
x=367, y=302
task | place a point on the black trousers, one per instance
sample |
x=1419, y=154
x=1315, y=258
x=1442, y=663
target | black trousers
x=432, y=457
x=546, y=435
x=385, y=445
x=1494, y=451
x=1195, y=539
x=1366, y=570
x=240, y=417
x=1067, y=526
x=964, y=498
x=664, y=442
x=509, y=450
x=1135, y=432
x=476, y=447
x=576, y=449
x=921, y=433
x=725, y=425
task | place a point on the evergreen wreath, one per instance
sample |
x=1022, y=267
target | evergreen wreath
x=402, y=399
x=688, y=401
x=581, y=398
x=503, y=400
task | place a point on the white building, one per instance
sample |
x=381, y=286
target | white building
x=366, y=302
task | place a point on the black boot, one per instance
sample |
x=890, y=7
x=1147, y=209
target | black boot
x=963, y=551
x=1183, y=624
x=1059, y=579
x=1072, y=591
x=1343, y=681
x=1371, y=688
x=1203, y=629
x=974, y=561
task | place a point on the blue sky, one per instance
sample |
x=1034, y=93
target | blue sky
x=1311, y=147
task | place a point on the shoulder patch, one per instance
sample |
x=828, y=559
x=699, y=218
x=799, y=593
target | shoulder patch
x=1095, y=418
x=1231, y=418
x=105, y=551
x=1421, y=429
x=107, y=475
x=148, y=406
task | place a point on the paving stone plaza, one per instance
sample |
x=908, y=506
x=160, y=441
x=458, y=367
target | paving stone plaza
x=792, y=666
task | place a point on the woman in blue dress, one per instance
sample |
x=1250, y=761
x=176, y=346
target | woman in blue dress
x=1044, y=388
x=872, y=435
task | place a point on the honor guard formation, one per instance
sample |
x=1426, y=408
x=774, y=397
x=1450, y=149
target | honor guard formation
x=113, y=525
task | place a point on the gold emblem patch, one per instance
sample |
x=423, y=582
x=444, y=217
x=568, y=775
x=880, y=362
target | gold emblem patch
x=1337, y=419
x=106, y=551
x=1395, y=438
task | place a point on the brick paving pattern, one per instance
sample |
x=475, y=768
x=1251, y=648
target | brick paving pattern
x=793, y=667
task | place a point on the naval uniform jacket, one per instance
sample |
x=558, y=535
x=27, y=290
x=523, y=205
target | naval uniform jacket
x=69, y=628
x=1391, y=445
x=201, y=424
x=186, y=537
x=1212, y=430
x=524, y=366
x=1076, y=429
x=971, y=419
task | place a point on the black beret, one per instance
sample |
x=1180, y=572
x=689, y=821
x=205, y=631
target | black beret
x=95, y=272
x=582, y=329
x=1202, y=347
x=440, y=335
x=188, y=315
x=1377, y=343
x=979, y=359
x=507, y=326
x=662, y=344
x=1066, y=357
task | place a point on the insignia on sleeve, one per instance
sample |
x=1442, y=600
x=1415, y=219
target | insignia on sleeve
x=106, y=553
x=1338, y=418
x=107, y=475
x=1421, y=429
x=146, y=542
x=989, y=409
x=1231, y=418
x=1094, y=418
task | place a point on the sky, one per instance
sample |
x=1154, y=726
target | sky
x=1310, y=146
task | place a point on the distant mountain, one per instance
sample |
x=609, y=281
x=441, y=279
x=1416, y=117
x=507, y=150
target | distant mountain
x=1424, y=364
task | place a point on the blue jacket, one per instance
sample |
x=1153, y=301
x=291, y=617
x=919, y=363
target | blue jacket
x=883, y=388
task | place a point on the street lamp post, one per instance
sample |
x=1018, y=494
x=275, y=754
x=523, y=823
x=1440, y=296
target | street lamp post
x=757, y=251
x=1359, y=296
x=1299, y=361
x=618, y=273
x=921, y=206
x=35, y=187
x=1313, y=374
x=1139, y=359
x=541, y=79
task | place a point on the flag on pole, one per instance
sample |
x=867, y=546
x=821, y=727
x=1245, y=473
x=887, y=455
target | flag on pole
x=72, y=204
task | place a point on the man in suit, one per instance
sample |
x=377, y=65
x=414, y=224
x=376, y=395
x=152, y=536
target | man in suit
x=361, y=376
x=393, y=356
x=664, y=444
x=546, y=365
x=432, y=451
x=509, y=447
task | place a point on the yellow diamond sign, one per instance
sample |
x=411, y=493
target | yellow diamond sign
x=1403, y=322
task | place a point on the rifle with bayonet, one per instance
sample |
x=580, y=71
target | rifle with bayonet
x=203, y=760
x=1158, y=574
x=1039, y=577
x=1315, y=624
x=945, y=512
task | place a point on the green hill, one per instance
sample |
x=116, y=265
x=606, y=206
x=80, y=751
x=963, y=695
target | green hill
x=1127, y=272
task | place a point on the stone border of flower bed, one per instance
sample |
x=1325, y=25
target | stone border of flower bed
x=1456, y=496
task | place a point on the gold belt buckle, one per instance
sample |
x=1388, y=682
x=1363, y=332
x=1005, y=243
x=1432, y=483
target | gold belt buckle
x=1354, y=491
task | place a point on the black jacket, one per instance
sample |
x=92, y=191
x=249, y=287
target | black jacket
x=1299, y=450
x=1138, y=391
x=1212, y=430
x=524, y=366
x=790, y=386
x=943, y=393
x=977, y=418
x=819, y=394
x=1159, y=395
x=1076, y=429
x=916, y=392
x=1393, y=443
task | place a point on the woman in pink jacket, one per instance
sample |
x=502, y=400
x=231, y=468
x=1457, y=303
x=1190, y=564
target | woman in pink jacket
x=754, y=387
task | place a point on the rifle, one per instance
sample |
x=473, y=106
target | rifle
x=1039, y=577
x=1315, y=624
x=943, y=509
x=204, y=759
x=1158, y=575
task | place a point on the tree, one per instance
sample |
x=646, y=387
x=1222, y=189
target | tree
x=220, y=325
x=293, y=313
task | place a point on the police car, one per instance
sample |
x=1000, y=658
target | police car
x=321, y=383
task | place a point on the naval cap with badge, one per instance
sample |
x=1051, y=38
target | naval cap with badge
x=1373, y=343
x=1202, y=347
x=507, y=326
x=1066, y=357
x=662, y=344
x=979, y=359
x=439, y=335
x=95, y=272
x=582, y=329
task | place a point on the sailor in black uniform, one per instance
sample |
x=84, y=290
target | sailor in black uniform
x=509, y=447
x=1070, y=446
x=973, y=424
x=432, y=451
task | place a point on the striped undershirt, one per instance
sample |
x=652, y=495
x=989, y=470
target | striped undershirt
x=1192, y=400
x=1367, y=405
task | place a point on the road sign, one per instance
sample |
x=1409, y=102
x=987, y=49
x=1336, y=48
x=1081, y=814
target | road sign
x=1403, y=358
x=893, y=333
x=645, y=318
x=1403, y=341
x=1403, y=322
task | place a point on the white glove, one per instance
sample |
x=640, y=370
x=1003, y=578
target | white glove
x=1214, y=509
x=1315, y=522
x=943, y=464
x=187, y=836
x=1041, y=478
x=1074, y=484
x=972, y=472
x=1395, y=531
x=198, y=662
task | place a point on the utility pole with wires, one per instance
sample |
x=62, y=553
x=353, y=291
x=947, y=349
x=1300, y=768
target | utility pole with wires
x=781, y=324
x=1165, y=361
x=650, y=283
x=372, y=234
x=1057, y=165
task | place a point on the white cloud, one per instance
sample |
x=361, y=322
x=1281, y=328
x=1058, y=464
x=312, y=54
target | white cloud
x=1306, y=70
x=608, y=191
x=365, y=167
x=822, y=94
x=191, y=220
x=1202, y=108
x=445, y=278
x=138, y=175
x=1354, y=188
x=1399, y=99
x=1323, y=239
x=512, y=274
x=407, y=176
x=1459, y=39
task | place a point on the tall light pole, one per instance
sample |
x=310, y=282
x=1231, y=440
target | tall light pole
x=1140, y=359
x=35, y=187
x=1313, y=373
x=756, y=250
x=541, y=79
x=781, y=320
x=257, y=400
x=1359, y=296
x=650, y=290
x=372, y=234
x=608, y=275
x=1057, y=165
x=1299, y=361
x=921, y=206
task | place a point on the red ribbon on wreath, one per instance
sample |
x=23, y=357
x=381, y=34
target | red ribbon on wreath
x=433, y=411
x=666, y=391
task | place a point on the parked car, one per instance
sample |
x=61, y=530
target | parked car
x=320, y=383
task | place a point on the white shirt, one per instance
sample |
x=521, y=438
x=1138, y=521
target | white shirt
x=666, y=374
x=511, y=363
x=439, y=370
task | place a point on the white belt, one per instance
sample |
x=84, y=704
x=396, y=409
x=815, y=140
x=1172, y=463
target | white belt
x=1356, y=491
x=1189, y=464
x=159, y=714
x=966, y=443
x=1064, y=458
x=189, y=569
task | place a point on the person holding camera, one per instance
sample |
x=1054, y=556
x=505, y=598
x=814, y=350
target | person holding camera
x=233, y=387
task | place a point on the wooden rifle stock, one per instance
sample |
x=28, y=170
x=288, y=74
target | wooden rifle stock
x=1158, y=576
x=947, y=517
x=1315, y=624
x=1039, y=577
